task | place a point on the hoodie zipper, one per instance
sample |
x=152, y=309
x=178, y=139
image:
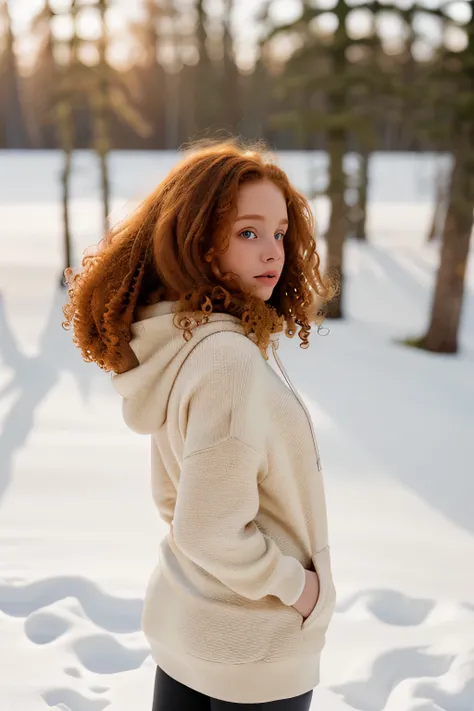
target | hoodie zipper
x=300, y=400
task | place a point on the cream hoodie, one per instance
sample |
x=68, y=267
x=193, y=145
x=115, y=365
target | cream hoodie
x=236, y=475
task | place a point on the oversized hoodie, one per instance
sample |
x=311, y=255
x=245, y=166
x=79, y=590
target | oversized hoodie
x=236, y=475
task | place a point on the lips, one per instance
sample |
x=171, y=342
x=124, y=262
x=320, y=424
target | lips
x=267, y=275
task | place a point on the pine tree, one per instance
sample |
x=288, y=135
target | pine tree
x=43, y=81
x=329, y=83
x=458, y=85
x=105, y=92
x=230, y=76
x=64, y=117
x=12, y=115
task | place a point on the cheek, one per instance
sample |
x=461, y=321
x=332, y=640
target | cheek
x=231, y=260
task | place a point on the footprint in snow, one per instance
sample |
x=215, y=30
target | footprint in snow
x=387, y=672
x=99, y=689
x=73, y=671
x=455, y=694
x=102, y=654
x=45, y=627
x=390, y=606
x=69, y=700
x=114, y=614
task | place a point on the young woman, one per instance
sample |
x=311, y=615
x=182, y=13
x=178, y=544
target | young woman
x=182, y=302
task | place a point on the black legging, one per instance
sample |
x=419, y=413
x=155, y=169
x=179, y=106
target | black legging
x=170, y=695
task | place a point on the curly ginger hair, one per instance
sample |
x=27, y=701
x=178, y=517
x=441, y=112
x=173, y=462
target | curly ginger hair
x=168, y=249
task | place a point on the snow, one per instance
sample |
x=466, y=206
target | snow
x=78, y=530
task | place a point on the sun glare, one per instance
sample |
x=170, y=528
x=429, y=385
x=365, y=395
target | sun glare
x=124, y=50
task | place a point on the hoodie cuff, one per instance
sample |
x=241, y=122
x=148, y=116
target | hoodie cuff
x=292, y=580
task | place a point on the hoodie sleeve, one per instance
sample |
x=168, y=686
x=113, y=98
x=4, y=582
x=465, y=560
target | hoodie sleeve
x=225, y=459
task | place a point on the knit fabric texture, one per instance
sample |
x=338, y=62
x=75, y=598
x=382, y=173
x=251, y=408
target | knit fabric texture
x=235, y=476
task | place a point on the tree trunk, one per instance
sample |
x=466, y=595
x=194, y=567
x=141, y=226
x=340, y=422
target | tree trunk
x=66, y=227
x=105, y=187
x=336, y=233
x=102, y=118
x=66, y=135
x=101, y=145
x=232, y=108
x=205, y=97
x=172, y=84
x=361, y=223
x=439, y=212
x=442, y=335
x=16, y=135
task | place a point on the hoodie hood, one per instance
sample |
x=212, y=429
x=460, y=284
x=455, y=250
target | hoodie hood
x=161, y=350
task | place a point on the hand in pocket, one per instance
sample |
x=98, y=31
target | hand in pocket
x=310, y=595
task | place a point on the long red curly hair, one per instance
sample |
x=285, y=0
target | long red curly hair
x=168, y=249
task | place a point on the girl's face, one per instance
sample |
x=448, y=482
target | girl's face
x=256, y=246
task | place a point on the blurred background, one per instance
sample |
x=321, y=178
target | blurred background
x=339, y=81
x=369, y=107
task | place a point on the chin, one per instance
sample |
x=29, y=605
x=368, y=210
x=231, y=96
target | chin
x=264, y=293
x=260, y=291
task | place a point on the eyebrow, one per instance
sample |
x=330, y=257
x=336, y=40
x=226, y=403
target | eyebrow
x=259, y=217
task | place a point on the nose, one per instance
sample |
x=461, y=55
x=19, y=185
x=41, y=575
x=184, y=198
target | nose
x=271, y=251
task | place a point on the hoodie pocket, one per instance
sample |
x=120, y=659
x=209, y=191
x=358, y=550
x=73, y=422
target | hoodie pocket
x=180, y=616
x=314, y=627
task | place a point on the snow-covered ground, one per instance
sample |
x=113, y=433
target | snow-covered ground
x=78, y=531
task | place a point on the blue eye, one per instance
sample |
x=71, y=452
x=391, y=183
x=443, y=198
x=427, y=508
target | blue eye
x=279, y=236
x=245, y=234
